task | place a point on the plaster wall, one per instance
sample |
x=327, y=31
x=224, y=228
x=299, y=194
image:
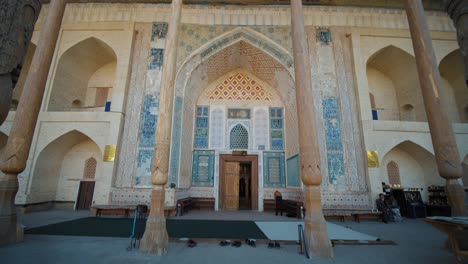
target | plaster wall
x=72, y=168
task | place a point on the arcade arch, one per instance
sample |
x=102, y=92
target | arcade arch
x=85, y=74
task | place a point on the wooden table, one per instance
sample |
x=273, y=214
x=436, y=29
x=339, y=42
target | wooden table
x=451, y=229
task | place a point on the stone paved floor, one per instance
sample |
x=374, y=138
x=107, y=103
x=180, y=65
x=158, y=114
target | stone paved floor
x=417, y=243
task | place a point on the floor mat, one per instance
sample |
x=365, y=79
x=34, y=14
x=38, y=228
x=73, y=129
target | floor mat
x=122, y=227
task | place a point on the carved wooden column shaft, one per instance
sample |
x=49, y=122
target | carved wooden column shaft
x=155, y=239
x=316, y=234
x=443, y=139
x=16, y=152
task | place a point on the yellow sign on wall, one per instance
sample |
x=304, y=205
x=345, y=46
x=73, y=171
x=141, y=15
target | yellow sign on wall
x=372, y=159
x=109, y=153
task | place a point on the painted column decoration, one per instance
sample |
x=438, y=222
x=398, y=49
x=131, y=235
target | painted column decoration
x=315, y=229
x=443, y=139
x=16, y=151
x=155, y=238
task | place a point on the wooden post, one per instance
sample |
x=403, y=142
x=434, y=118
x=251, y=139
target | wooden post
x=16, y=152
x=155, y=239
x=443, y=139
x=315, y=229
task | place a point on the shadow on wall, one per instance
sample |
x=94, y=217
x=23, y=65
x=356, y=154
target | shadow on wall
x=85, y=76
x=451, y=71
x=60, y=167
x=394, y=85
x=417, y=167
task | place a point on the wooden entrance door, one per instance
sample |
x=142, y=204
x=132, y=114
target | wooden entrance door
x=231, y=185
x=229, y=176
x=85, y=195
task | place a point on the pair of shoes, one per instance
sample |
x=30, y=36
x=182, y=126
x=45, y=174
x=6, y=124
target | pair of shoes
x=223, y=243
x=191, y=243
x=277, y=245
x=251, y=242
x=236, y=244
x=271, y=245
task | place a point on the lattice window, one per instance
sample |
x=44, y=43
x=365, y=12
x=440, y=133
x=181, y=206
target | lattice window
x=276, y=129
x=201, y=127
x=393, y=173
x=239, y=138
x=90, y=168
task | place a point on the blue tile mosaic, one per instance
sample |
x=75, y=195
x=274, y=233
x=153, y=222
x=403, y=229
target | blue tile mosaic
x=143, y=172
x=175, y=142
x=203, y=168
x=292, y=168
x=159, y=30
x=334, y=142
x=276, y=129
x=201, y=127
x=157, y=57
x=324, y=35
x=274, y=170
x=149, y=119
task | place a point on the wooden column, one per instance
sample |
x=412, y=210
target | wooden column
x=443, y=139
x=16, y=152
x=155, y=239
x=316, y=235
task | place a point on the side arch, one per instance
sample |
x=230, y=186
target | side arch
x=59, y=167
x=75, y=71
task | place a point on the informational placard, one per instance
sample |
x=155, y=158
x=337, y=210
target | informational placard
x=372, y=159
x=109, y=153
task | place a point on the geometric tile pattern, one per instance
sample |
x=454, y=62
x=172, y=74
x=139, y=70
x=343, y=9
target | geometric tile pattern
x=292, y=167
x=159, y=30
x=175, y=141
x=261, y=128
x=217, y=129
x=149, y=119
x=324, y=35
x=263, y=65
x=273, y=169
x=143, y=171
x=201, y=127
x=156, y=61
x=333, y=139
x=193, y=36
x=239, y=138
x=276, y=129
x=239, y=87
x=90, y=168
x=203, y=168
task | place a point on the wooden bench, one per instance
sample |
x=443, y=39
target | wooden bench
x=367, y=215
x=186, y=204
x=124, y=210
x=287, y=206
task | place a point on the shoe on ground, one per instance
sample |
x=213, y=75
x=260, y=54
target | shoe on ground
x=191, y=243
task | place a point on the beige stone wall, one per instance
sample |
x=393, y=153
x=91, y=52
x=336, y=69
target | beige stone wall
x=123, y=33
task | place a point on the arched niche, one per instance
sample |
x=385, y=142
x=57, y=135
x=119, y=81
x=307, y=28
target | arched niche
x=393, y=80
x=59, y=167
x=417, y=167
x=85, y=73
x=451, y=71
x=241, y=49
